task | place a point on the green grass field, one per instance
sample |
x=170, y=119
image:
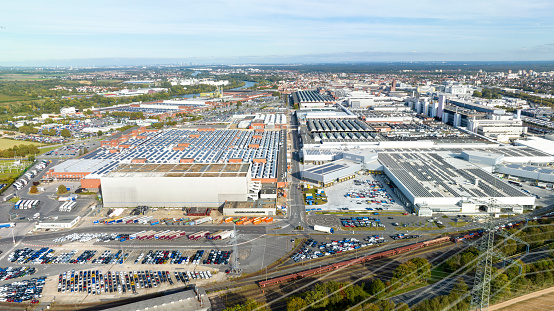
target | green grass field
x=46, y=149
x=8, y=98
x=8, y=143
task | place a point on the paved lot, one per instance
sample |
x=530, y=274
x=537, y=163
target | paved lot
x=337, y=200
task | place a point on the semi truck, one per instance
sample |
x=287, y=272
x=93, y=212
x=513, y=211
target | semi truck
x=324, y=229
x=7, y=225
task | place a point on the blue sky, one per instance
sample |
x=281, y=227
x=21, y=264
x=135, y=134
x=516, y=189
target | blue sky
x=236, y=31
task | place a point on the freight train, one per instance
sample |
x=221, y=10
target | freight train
x=352, y=262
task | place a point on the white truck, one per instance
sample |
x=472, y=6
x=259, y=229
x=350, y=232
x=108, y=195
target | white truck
x=324, y=229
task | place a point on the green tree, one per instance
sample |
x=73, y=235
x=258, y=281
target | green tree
x=296, y=303
x=99, y=133
x=423, y=267
x=65, y=133
x=276, y=94
x=376, y=288
x=62, y=189
x=477, y=94
x=317, y=298
x=33, y=189
x=402, y=307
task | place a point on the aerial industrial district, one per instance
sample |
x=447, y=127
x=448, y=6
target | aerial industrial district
x=396, y=191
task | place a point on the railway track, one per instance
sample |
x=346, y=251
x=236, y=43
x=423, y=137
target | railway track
x=352, y=273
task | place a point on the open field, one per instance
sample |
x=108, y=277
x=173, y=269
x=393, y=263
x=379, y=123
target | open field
x=8, y=143
x=46, y=149
x=541, y=300
x=8, y=98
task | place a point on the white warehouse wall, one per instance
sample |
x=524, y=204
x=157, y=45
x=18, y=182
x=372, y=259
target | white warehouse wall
x=172, y=191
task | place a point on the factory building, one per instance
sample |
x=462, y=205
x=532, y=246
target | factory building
x=312, y=99
x=261, y=121
x=487, y=121
x=194, y=299
x=527, y=172
x=430, y=182
x=364, y=100
x=176, y=185
x=259, y=147
x=328, y=174
x=263, y=207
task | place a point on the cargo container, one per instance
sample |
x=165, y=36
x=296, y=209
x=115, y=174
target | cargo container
x=154, y=222
x=8, y=197
x=135, y=235
x=269, y=219
x=213, y=235
x=160, y=234
x=198, y=235
x=228, y=219
x=203, y=220
x=224, y=235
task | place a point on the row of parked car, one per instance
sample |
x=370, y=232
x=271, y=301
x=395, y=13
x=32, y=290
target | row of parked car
x=216, y=257
x=85, y=237
x=95, y=282
x=15, y=272
x=188, y=276
x=23, y=290
x=109, y=258
x=361, y=222
x=311, y=249
x=27, y=255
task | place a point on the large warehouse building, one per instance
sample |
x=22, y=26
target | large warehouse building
x=431, y=182
x=176, y=185
x=260, y=148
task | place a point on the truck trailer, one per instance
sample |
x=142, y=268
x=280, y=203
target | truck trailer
x=324, y=229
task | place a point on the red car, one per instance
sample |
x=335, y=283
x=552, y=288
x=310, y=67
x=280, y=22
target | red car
x=35, y=301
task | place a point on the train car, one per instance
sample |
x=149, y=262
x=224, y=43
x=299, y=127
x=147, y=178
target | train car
x=352, y=262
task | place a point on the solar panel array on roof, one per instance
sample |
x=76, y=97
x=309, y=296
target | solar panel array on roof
x=506, y=151
x=337, y=125
x=429, y=175
x=311, y=96
x=203, y=147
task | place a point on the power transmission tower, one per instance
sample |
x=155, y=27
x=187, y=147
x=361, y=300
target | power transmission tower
x=235, y=266
x=480, y=293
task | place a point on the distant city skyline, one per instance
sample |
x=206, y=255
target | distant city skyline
x=237, y=32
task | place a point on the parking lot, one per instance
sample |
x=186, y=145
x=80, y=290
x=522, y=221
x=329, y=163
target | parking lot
x=103, y=256
x=365, y=192
x=313, y=249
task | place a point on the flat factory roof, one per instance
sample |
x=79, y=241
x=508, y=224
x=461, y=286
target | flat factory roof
x=439, y=175
x=181, y=170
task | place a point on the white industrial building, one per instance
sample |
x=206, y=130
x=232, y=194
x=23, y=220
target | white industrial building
x=528, y=172
x=431, y=182
x=68, y=110
x=263, y=207
x=176, y=185
x=364, y=100
x=58, y=223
